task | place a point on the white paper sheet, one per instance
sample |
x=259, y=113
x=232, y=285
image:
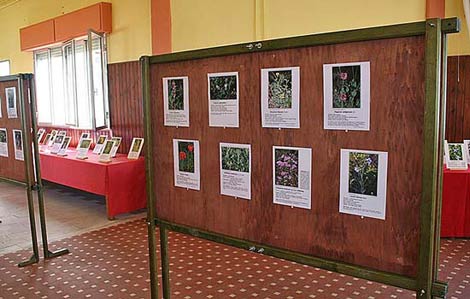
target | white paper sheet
x=456, y=157
x=136, y=148
x=186, y=164
x=83, y=147
x=363, y=183
x=3, y=143
x=18, y=143
x=99, y=145
x=292, y=176
x=57, y=144
x=117, y=143
x=176, y=101
x=64, y=146
x=466, y=145
x=223, y=95
x=280, y=97
x=235, y=170
x=105, y=155
x=10, y=97
x=346, y=96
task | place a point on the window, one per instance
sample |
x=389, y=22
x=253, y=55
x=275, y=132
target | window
x=72, y=84
x=4, y=68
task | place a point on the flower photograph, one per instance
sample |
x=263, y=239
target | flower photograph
x=108, y=147
x=363, y=173
x=280, y=89
x=223, y=87
x=347, y=86
x=236, y=159
x=175, y=94
x=11, y=97
x=136, y=146
x=3, y=136
x=455, y=152
x=287, y=167
x=186, y=156
x=85, y=143
x=18, y=141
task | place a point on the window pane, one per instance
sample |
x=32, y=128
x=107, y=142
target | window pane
x=4, y=68
x=83, y=102
x=57, y=75
x=97, y=74
x=42, y=87
x=70, y=86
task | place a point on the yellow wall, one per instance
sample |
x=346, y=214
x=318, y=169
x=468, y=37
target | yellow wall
x=129, y=40
x=459, y=43
x=208, y=23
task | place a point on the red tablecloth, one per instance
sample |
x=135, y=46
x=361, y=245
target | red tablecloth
x=456, y=204
x=121, y=181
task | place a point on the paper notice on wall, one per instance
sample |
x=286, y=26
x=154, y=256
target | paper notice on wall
x=223, y=99
x=18, y=140
x=186, y=164
x=3, y=143
x=363, y=183
x=456, y=158
x=176, y=101
x=235, y=170
x=10, y=96
x=346, y=96
x=292, y=176
x=280, y=97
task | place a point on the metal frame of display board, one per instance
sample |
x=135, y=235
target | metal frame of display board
x=425, y=283
x=32, y=166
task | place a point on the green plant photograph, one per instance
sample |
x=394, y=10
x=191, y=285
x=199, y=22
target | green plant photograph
x=455, y=152
x=175, y=94
x=286, y=167
x=236, y=159
x=3, y=136
x=85, y=143
x=363, y=173
x=280, y=89
x=136, y=146
x=223, y=87
x=186, y=156
x=347, y=86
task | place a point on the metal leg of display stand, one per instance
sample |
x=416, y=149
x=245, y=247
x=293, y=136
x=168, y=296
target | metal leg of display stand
x=35, y=257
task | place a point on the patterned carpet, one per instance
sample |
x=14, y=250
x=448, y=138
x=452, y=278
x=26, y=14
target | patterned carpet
x=112, y=263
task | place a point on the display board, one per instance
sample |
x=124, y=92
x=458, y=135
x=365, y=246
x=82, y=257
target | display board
x=397, y=249
x=10, y=167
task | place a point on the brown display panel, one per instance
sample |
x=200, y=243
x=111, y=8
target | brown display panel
x=10, y=168
x=397, y=105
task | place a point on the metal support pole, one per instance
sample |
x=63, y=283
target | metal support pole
x=165, y=262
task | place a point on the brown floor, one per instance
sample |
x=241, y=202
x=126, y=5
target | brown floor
x=112, y=263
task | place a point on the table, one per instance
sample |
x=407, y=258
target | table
x=456, y=204
x=121, y=181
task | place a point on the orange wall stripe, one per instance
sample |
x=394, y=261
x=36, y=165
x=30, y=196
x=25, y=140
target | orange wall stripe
x=435, y=9
x=161, y=26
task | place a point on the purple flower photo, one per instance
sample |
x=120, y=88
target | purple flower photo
x=287, y=167
x=347, y=86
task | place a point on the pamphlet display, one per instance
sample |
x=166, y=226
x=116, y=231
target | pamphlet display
x=105, y=155
x=64, y=146
x=82, y=148
x=346, y=96
x=223, y=99
x=235, y=170
x=40, y=134
x=466, y=145
x=53, y=136
x=82, y=136
x=18, y=140
x=455, y=156
x=363, y=183
x=136, y=148
x=10, y=96
x=280, y=97
x=3, y=143
x=117, y=143
x=292, y=176
x=186, y=164
x=176, y=101
x=57, y=144
x=47, y=139
x=99, y=145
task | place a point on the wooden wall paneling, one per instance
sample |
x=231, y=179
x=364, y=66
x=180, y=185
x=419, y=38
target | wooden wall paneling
x=125, y=97
x=458, y=99
x=397, y=109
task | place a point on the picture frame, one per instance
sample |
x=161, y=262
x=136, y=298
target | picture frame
x=10, y=98
x=18, y=144
x=3, y=142
x=41, y=132
x=223, y=94
x=105, y=156
x=65, y=145
x=136, y=148
x=99, y=144
x=117, y=143
x=82, y=148
x=235, y=170
x=53, y=136
x=456, y=158
x=176, y=101
x=57, y=144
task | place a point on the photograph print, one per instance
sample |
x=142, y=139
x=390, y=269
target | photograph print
x=136, y=145
x=280, y=89
x=236, y=159
x=3, y=135
x=11, y=97
x=175, y=94
x=287, y=167
x=108, y=147
x=455, y=152
x=347, y=86
x=363, y=173
x=223, y=87
x=186, y=156
x=85, y=143
x=18, y=140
